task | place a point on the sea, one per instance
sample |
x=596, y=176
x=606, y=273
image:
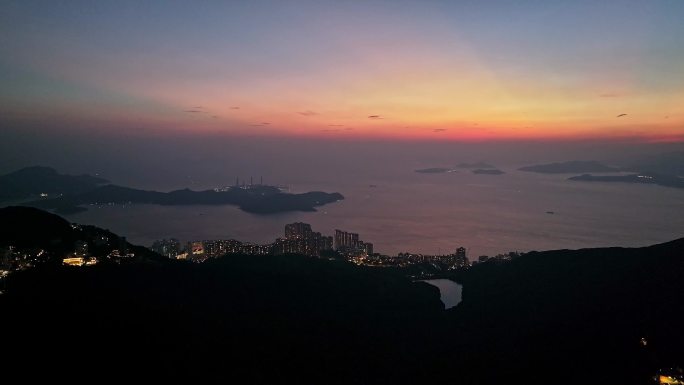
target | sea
x=400, y=210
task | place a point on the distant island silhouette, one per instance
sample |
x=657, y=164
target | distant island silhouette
x=434, y=170
x=66, y=194
x=645, y=178
x=476, y=168
x=668, y=163
x=487, y=171
x=665, y=169
x=569, y=167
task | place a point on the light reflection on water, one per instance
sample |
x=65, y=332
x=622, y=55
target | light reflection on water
x=450, y=292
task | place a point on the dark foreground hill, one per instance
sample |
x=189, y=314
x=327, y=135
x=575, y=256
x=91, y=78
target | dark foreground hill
x=28, y=230
x=264, y=319
x=589, y=316
x=573, y=316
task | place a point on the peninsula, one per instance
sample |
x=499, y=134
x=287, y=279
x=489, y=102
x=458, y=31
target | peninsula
x=33, y=183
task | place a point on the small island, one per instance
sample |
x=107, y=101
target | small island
x=258, y=199
x=570, y=167
x=434, y=170
x=487, y=171
x=476, y=168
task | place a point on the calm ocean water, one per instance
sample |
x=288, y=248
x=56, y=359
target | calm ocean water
x=429, y=213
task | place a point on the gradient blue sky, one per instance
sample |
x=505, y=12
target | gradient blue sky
x=390, y=69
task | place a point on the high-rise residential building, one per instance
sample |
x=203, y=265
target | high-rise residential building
x=354, y=240
x=344, y=240
x=298, y=230
x=460, y=258
x=461, y=252
x=349, y=243
x=300, y=239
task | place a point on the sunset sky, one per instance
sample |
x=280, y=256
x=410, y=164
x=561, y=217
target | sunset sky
x=454, y=70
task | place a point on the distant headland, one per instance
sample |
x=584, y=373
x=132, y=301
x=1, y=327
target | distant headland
x=646, y=178
x=570, y=167
x=45, y=188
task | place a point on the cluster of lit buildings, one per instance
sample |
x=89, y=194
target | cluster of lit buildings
x=13, y=258
x=301, y=239
x=103, y=248
x=456, y=260
x=85, y=253
x=80, y=256
x=350, y=245
x=498, y=258
x=200, y=251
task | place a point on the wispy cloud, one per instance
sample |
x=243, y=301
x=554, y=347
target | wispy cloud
x=308, y=113
x=235, y=108
x=375, y=117
x=439, y=130
x=337, y=129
